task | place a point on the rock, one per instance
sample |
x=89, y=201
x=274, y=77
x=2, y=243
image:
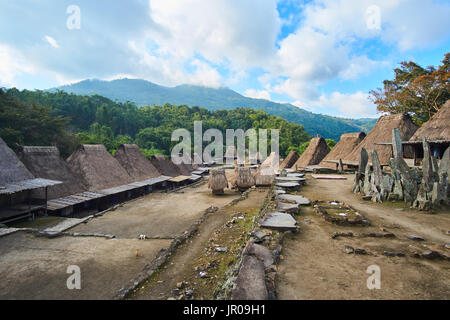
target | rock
x=408, y=181
x=393, y=254
x=430, y=254
x=307, y=221
x=336, y=235
x=360, y=251
x=250, y=282
x=377, y=171
x=415, y=238
x=292, y=198
x=397, y=143
x=349, y=250
x=260, y=252
x=278, y=191
x=203, y=274
x=279, y=221
x=259, y=236
x=288, y=185
x=288, y=207
x=221, y=249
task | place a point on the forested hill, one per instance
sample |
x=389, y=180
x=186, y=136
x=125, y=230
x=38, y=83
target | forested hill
x=44, y=118
x=145, y=93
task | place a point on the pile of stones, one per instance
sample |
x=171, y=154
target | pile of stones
x=420, y=189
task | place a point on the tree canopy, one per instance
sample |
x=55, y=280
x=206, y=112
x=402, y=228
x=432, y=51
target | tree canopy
x=415, y=90
x=62, y=119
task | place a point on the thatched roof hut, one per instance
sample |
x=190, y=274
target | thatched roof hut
x=382, y=133
x=135, y=163
x=314, y=154
x=244, y=178
x=437, y=128
x=11, y=169
x=164, y=166
x=46, y=162
x=289, y=161
x=97, y=168
x=343, y=148
x=217, y=180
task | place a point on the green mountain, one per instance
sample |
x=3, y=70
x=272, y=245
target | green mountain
x=145, y=93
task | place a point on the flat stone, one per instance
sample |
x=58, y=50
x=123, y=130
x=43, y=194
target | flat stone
x=279, y=221
x=415, y=238
x=288, y=207
x=259, y=235
x=301, y=200
x=278, y=191
x=7, y=231
x=393, y=254
x=66, y=224
x=291, y=179
x=328, y=177
x=250, y=282
x=298, y=175
x=288, y=185
x=349, y=250
x=261, y=252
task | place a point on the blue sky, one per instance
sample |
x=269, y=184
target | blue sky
x=324, y=56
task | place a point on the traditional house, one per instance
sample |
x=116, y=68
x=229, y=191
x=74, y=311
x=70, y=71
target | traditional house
x=314, y=154
x=342, y=149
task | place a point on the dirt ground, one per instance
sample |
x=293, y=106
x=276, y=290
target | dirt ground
x=158, y=214
x=35, y=268
x=191, y=255
x=315, y=266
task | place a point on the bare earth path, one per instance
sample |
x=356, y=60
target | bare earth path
x=35, y=267
x=182, y=263
x=316, y=266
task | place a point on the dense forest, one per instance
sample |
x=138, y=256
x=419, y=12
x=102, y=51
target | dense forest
x=65, y=120
x=145, y=93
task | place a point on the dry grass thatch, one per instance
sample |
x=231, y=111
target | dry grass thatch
x=97, y=168
x=314, y=154
x=244, y=178
x=437, y=128
x=343, y=148
x=135, y=163
x=164, y=166
x=382, y=132
x=217, y=180
x=265, y=176
x=273, y=161
x=290, y=160
x=46, y=162
x=11, y=169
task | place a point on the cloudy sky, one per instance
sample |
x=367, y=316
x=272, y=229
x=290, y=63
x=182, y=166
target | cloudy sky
x=322, y=55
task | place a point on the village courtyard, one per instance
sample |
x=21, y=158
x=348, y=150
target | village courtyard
x=312, y=264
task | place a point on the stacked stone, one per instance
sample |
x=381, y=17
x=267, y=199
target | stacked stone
x=421, y=190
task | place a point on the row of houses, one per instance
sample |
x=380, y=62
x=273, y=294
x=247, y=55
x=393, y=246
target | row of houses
x=91, y=179
x=347, y=151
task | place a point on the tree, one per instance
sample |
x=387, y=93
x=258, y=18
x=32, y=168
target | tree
x=415, y=90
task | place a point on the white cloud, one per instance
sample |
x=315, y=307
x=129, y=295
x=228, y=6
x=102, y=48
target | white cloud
x=257, y=94
x=242, y=33
x=12, y=65
x=351, y=105
x=51, y=41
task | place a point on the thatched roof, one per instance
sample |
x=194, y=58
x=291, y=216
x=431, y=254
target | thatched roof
x=314, y=154
x=437, y=128
x=244, y=177
x=382, y=132
x=343, y=148
x=217, y=180
x=164, y=166
x=46, y=162
x=11, y=169
x=97, y=168
x=135, y=163
x=291, y=158
x=273, y=161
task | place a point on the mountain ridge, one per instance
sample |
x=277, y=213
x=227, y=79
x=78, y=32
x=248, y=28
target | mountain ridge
x=143, y=93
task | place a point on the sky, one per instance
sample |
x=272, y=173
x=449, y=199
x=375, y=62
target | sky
x=324, y=56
